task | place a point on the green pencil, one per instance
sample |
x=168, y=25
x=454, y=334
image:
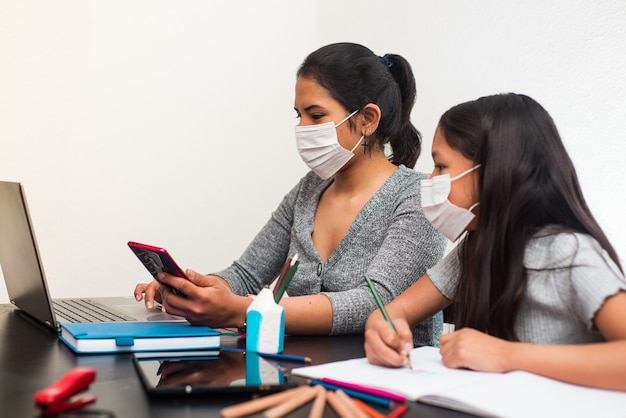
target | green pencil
x=381, y=306
x=283, y=286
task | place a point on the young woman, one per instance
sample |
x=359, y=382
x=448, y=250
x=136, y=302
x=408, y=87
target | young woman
x=356, y=212
x=536, y=284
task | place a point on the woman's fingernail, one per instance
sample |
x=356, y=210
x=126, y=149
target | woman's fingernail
x=149, y=305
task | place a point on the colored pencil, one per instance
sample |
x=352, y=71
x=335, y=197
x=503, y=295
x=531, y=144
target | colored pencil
x=319, y=404
x=259, y=404
x=398, y=412
x=381, y=306
x=290, y=273
x=366, y=389
x=354, y=410
x=369, y=411
x=356, y=394
x=292, y=404
x=281, y=276
x=339, y=407
x=286, y=357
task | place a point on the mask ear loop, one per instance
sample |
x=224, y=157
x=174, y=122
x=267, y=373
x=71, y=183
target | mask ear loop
x=461, y=175
x=347, y=117
x=358, y=143
x=465, y=172
x=471, y=208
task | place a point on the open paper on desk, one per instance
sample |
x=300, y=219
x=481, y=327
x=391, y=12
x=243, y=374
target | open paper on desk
x=514, y=394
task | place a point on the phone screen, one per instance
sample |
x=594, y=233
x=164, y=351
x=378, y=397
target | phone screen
x=156, y=260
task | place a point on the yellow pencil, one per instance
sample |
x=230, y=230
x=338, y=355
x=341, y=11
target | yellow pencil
x=338, y=406
x=293, y=403
x=319, y=404
x=259, y=404
x=354, y=410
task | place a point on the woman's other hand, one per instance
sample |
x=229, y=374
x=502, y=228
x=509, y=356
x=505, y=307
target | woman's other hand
x=149, y=292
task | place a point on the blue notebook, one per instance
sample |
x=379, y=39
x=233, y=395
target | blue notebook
x=138, y=336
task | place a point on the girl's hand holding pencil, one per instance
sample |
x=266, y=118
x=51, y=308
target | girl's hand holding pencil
x=383, y=310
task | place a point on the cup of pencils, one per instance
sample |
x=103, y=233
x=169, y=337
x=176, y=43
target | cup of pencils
x=265, y=324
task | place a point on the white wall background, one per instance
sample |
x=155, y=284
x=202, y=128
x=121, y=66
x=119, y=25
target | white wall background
x=171, y=123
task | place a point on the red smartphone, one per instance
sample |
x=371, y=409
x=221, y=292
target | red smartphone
x=156, y=260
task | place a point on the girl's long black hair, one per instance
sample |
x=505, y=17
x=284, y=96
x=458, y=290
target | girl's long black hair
x=526, y=182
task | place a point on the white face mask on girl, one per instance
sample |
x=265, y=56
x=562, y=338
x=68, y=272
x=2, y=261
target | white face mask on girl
x=320, y=150
x=449, y=219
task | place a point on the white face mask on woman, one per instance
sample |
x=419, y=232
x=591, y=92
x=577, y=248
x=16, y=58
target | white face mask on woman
x=449, y=219
x=320, y=150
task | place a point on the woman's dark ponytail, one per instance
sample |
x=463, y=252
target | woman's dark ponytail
x=407, y=145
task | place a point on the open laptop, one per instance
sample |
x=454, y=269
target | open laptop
x=26, y=282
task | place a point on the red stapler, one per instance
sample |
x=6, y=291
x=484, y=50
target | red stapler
x=62, y=395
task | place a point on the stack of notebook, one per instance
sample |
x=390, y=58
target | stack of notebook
x=106, y=337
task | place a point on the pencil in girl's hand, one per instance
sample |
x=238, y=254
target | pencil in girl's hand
x=381, y=306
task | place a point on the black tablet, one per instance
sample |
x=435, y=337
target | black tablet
x=215, y=372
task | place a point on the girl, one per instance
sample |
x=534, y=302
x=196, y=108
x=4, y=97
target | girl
x=356, y=212
x=535, y=283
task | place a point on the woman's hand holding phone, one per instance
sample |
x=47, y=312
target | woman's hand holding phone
x=209, y=300
x=157, y=261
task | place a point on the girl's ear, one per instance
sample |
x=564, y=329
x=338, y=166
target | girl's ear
x=371, y=118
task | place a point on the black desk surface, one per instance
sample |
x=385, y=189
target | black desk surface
x=32, y=357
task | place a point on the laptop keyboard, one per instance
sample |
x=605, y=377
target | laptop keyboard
x=84, y=310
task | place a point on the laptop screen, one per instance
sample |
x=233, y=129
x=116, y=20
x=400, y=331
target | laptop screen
x=19, y=256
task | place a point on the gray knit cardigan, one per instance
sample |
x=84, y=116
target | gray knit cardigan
x=390, y=240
